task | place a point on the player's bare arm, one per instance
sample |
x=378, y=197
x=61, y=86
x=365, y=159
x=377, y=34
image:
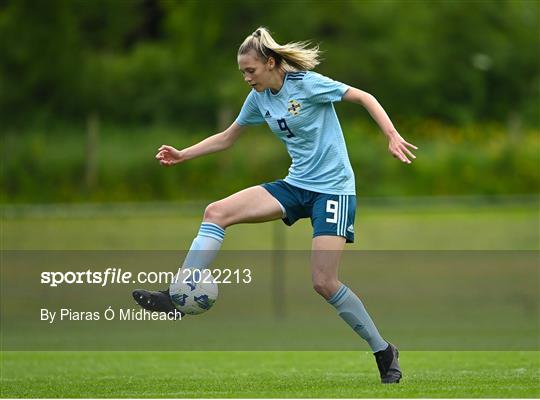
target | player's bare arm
x=397, y=146
x=168, y=155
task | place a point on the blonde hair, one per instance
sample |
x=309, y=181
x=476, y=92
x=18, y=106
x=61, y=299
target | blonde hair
x=295, y=56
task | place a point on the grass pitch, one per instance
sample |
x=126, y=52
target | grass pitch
x=266, y=374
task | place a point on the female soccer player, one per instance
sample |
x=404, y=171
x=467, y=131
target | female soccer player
x=297, y=105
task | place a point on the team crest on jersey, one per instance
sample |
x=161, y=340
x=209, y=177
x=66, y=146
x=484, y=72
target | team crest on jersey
x=294, y=107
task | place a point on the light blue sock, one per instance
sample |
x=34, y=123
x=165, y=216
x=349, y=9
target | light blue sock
x=202, y=252
x=205, y=246
x=353, y=312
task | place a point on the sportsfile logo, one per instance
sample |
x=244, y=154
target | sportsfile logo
x=113, y=275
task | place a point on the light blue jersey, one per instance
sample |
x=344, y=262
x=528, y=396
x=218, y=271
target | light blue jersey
x=302, y=115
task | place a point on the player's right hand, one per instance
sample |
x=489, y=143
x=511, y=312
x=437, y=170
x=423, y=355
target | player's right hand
x=168, y=155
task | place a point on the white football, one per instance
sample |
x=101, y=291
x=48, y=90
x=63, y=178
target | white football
x=193, y=291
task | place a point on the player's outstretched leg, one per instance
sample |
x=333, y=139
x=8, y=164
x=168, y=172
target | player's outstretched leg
x=254, y=204
x=324, y=266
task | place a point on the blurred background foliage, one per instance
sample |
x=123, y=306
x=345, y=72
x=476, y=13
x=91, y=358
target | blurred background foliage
x=90, y=89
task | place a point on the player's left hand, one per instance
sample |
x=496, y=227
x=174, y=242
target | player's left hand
x=398, y=147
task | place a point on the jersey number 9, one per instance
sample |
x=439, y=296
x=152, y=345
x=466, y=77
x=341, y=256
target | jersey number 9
x=283, y=126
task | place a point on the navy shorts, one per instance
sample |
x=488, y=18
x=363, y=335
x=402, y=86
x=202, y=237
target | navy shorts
x=331, y=214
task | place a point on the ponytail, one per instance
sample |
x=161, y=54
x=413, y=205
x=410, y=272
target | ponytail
x=295, y=56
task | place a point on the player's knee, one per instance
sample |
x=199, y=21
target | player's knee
x=215, y=213
x=324, y=286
